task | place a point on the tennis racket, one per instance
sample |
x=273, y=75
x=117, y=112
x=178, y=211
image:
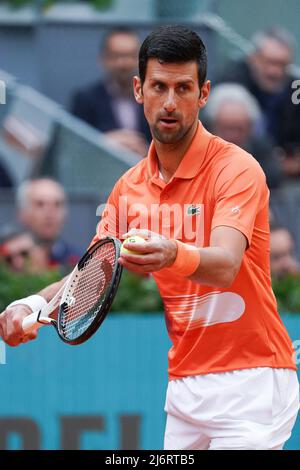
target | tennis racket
x=86, y=297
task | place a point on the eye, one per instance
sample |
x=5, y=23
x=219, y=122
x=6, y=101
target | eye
x=183, y=87
x=158, y=86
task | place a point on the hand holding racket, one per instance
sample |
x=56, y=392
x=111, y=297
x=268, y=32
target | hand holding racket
x=86, y=297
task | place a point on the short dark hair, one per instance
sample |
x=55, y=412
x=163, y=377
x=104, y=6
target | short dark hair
x=173, y=44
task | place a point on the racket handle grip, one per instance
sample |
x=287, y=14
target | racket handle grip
x=34, y=321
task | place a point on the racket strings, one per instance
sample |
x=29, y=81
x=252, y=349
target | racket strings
x=86, y=297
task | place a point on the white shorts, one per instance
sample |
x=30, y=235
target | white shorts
x=243, y=410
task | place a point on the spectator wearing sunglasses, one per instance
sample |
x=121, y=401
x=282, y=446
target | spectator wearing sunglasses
x=283, y=254
x=18, y=250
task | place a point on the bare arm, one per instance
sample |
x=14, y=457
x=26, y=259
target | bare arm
x=219, y=263
x=11, y=319
x=49, y=292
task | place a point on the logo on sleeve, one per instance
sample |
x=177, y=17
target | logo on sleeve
x=235, y=210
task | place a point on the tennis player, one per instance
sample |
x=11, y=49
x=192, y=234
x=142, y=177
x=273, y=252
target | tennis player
x=202, y=205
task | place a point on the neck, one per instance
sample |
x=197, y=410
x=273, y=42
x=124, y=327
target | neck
x=170, y=155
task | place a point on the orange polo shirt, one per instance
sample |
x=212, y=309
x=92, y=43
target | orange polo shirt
x=217, y=183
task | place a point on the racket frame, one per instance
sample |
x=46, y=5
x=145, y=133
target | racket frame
x=42, y=317
x=116, y=276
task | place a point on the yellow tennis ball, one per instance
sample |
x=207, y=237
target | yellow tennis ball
x=133, y=239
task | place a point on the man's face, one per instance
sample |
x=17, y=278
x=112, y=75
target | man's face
x=233, y=124
x=283, y=259
x=16, y=252
x=45, y=212
x=270, y=65
x=120, y=58
x=171, y=99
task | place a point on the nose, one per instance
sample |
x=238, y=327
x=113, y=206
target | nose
x=170, y=103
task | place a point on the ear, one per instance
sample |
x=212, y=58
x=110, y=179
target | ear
x=205, y=91
x=137, y=90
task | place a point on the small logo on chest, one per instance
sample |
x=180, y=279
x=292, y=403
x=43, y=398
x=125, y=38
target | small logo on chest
x=194, y=209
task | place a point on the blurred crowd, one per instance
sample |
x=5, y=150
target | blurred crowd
x=109, y=104
x=34, y=242
x=262, y=82
x=250, y=105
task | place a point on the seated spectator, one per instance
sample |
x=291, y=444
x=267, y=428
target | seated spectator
x=232, y=113
x=291, y=151
x=41, y=206
x=265, y=72
x=282, y=248
x=18, y=250
x=109, y=105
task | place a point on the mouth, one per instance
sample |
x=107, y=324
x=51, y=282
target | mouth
x=168, y=122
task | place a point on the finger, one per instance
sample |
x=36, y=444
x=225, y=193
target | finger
x=143, y=233
x=13, y=341
x=14, y=326
x=142, y=248
x=140, y=259
x=14, y=331
x=139, y=269
x=134, y=231
x=140, y=266
x=10, y=331
x=30, y=336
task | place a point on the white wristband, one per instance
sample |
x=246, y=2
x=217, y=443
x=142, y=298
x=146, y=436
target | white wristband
x=35, y=302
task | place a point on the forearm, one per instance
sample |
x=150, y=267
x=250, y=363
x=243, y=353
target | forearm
x=217, y=267
x=49, y=292
x=11, y=320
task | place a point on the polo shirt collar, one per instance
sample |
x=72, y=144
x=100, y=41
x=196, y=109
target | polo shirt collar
x=192, y=161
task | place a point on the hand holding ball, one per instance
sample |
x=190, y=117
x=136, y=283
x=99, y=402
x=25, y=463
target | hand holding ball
x=133, y=239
